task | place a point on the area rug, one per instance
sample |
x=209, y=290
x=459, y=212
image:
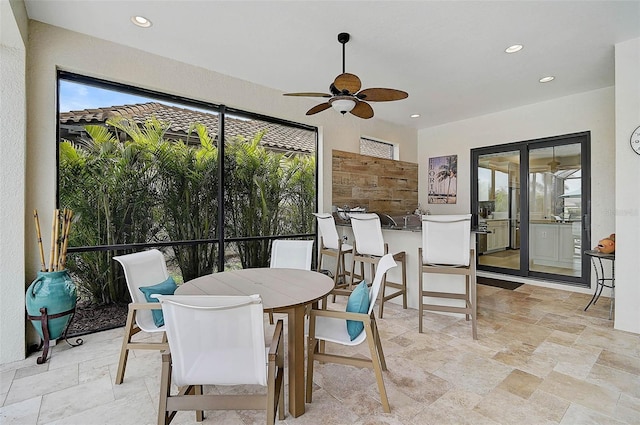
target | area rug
x=504, y=284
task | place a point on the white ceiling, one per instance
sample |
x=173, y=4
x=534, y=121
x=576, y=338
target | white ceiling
x=448, y=55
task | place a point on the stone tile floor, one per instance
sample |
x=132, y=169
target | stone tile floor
x=539, y=359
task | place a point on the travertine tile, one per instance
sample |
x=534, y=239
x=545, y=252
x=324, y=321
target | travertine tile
x=568, y=360
x=628, y=409
x=473, y=373
x=522, y=356
x=520, y=383
x=619, y=361
x=578, y=414
x=561, y=323
x=132, y=410
x=507, y=408
x=42, y=383
x=615, y=380
x=76, y=399
x=30, y=370
x=581, y=392
x=551, y=406
x=539, y=359
x=6, y=378
x=21, y=413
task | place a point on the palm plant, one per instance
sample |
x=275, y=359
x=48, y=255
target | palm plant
x=108, y=185
x=187, y=190
x=254, y=189
x=299, y=203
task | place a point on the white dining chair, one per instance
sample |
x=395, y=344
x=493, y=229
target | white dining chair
x=290, y=254
x=219, y=340
x=446, y=249
x=369, y=246
x=144, y=269
x=334, y=327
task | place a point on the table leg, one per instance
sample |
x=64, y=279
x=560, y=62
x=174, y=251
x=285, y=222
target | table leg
x=295, y=352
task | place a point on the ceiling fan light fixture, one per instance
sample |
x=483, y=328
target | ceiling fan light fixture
x=343, y=104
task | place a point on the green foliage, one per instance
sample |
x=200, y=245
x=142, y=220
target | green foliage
x=255, y=186
x=187, y=189
x=146, y=188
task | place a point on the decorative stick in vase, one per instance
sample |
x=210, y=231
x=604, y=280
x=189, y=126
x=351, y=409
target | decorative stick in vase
x=64, y=242
x=43, y=265
x=54, y=238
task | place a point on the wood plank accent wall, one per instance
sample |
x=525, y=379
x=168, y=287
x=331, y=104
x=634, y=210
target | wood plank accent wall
x=381, y=185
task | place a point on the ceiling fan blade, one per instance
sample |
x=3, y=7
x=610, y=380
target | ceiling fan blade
x=319, y=108
x=309, y=94
x=347, y=82
x=382, y=95
x=362, y=110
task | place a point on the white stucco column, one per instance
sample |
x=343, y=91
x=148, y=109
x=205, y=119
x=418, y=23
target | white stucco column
x=627, y=168
x=12, y=186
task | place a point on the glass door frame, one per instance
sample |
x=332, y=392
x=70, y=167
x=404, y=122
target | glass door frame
x=582, y=138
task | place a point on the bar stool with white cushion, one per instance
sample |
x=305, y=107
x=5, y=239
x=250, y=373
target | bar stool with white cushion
x=330, y=244
x=369, y=247
x=446, y=249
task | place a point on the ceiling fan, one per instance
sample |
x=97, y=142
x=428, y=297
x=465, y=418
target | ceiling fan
x=346, y=95
x=553, y=164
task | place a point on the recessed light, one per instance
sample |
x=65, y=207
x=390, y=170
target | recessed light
x=547, y=79
x=141, y=21
x=514, y=48
x=415, y=115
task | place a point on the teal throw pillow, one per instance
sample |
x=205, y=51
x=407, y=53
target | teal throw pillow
x=358, y=303
x=168, y=287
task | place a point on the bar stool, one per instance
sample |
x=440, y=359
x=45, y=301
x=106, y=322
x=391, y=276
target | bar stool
x=331, y=245
x=369, y=247
x=446, y=250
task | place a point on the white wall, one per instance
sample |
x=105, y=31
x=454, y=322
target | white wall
x=627, y=209
x=610, y=114
x=12, y=181
x=52, y=48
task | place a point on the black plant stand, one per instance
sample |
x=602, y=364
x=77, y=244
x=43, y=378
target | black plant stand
x=601, y=279
x=44, y=325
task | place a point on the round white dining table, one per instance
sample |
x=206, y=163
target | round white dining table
x=282, y=291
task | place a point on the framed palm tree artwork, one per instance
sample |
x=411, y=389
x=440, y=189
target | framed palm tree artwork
x=443, y=179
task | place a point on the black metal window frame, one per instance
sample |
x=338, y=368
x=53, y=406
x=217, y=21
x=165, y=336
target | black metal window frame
x=380, y=142
x=222, y=110
x=523, y=147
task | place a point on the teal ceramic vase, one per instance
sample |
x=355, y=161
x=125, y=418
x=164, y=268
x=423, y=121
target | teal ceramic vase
x=56, y=292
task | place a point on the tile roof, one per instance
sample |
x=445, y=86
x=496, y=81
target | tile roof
x=277, y=136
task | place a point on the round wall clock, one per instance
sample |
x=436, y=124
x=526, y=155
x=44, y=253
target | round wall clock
x=635, y=140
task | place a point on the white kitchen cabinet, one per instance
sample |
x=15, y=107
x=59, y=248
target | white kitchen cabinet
x=498, y=236
x=552, y=244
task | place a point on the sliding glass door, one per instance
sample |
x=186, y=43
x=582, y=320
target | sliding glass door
x=555, y=210
x=532, y=197
x=498, y=209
